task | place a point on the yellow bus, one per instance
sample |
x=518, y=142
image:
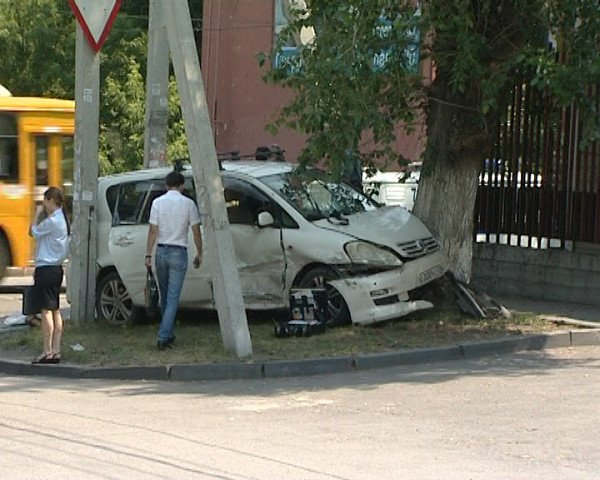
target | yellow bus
x=36, y=151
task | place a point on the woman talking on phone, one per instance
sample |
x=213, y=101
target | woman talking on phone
x=50, y=228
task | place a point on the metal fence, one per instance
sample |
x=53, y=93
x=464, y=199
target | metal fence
x=538, y=188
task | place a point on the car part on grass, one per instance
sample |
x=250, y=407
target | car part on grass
x=476, y=303
x=307, y=315
x=299, y=328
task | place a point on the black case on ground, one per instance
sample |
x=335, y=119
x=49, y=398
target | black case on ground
x=308, y=311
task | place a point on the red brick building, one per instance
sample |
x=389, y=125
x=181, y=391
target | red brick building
x=240, y=103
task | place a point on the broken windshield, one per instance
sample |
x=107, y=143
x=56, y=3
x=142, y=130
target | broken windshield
x=316, y=195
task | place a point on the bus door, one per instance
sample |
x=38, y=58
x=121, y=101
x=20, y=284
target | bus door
x=53, y=165
x=13, y=217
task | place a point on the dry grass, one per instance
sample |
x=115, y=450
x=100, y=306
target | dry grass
x=199, y=338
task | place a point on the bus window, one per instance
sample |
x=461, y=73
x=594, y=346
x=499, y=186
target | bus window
x=41, y=160
x=9, y=165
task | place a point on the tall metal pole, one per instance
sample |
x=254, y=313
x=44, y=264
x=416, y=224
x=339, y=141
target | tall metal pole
x=209, y=187
x=83, y=248
x=157, y=89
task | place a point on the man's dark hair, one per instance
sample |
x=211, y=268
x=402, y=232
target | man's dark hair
x=174, y=179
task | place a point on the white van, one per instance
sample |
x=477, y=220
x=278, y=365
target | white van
x=394, y=188
x=289, y=229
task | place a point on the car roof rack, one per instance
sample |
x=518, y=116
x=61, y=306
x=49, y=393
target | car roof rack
x=262, y=153
x=178, y=164
x=274, y=153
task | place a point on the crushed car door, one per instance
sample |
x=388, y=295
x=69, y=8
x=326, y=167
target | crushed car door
x=128, y=239
x=259, y=251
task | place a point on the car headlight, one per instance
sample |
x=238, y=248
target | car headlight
x=369, y=254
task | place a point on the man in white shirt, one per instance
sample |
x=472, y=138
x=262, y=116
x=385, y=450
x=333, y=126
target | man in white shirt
x=171, y=215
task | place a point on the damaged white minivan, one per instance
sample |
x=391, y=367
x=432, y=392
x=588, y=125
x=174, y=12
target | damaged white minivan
x=291, y=228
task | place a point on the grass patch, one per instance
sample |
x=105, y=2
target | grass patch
x=199, y=338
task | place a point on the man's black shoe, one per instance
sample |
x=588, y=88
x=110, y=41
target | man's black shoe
x=170, y=341
x=163, y=345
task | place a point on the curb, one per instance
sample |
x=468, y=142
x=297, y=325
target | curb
x=309, y=367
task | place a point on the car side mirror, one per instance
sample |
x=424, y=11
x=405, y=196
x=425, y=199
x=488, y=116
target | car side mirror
x=265, y=219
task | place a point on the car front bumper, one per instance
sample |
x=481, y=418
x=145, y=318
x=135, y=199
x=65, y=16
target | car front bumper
x=383, y=296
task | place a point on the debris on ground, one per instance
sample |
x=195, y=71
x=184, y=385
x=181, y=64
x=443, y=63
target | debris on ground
x=15, y=318
x=475, y=302
x=571, y=321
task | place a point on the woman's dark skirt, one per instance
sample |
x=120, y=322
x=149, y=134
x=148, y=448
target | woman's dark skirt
x=47, y=283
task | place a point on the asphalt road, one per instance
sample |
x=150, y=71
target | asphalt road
x=527, y=415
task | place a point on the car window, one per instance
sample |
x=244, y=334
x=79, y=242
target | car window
x=128, y=202
x=244, y=202
x=316, y=195
x=284, y=219
x=158, y=188
x=241, y=202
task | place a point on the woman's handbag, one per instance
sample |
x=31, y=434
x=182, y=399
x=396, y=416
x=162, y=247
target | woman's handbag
x=151, y=291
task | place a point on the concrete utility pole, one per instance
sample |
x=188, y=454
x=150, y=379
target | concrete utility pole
x=84, y=236
x=209, y=187
x=94, y=20
x=157, y=89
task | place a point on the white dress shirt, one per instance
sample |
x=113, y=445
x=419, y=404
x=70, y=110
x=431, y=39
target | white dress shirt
x=52, y=240
x=173, y=214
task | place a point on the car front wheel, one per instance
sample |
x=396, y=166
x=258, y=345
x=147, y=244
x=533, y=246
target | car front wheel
x=338, y=313
x=113, y=303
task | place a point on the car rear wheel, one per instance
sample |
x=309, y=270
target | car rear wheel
x=337, y=309
x=113, y=302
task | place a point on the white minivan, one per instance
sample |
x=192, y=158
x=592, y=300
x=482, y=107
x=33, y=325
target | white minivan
x=291, y=228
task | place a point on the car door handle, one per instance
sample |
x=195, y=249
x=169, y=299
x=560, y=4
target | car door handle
x=123, y=241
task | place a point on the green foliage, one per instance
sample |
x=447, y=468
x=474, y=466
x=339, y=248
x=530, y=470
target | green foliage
x=37, y=41
x=37, y=48
x=478, y=49
x=122, y=117
x=341, y=100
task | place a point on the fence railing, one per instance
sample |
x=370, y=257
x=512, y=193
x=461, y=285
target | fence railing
x=538, y=188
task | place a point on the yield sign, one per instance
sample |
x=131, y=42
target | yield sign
x=95, y=17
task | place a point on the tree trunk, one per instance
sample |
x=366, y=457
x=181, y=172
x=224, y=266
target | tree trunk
x=458, y=141
x=445, y=203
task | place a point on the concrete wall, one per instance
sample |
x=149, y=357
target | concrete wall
x=550, y=274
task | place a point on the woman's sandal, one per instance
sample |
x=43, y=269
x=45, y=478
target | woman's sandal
x=47, y=358
x=43, y=358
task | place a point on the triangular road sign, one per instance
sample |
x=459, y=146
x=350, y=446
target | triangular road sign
x=95, y=17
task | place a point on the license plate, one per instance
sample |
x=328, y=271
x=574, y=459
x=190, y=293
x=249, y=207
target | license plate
x=430, y=274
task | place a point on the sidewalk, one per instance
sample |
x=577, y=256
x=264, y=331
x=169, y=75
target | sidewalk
x=576, y=311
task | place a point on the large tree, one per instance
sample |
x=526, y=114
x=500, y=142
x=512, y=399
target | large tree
x=37, y=48
x=343, y=99
x=37, y=41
